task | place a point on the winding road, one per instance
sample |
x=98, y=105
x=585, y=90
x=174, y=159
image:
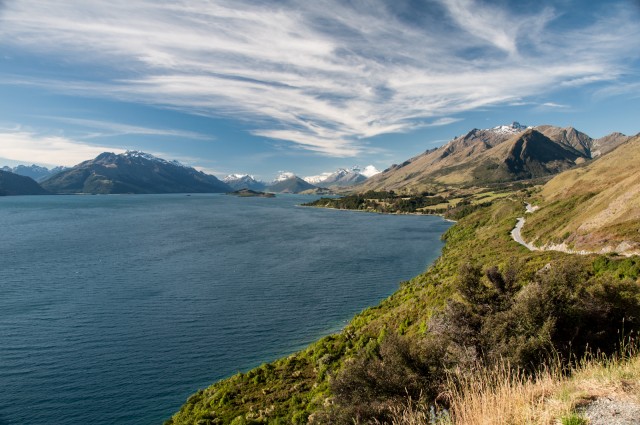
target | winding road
x=516, y=233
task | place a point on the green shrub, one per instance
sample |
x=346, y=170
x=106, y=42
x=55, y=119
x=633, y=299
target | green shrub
x=369, y=386
x=574, y=419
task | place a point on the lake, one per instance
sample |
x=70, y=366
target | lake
x=114, y=309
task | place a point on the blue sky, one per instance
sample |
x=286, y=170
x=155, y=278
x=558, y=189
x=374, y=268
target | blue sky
x=242, y=86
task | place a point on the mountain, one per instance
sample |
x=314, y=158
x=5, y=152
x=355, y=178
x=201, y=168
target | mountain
x=15, y=184
x=132, y=172
x=587, y=146
x=36, y=172
x=607, y=143
x=289, y=183
x=343, y=177
x=499, y=154
x=369, y=171
x=244, y=181
x=594, y=208
x=317, y=179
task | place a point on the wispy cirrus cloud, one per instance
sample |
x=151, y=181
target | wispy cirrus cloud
x=109, y=129
x=322, y=75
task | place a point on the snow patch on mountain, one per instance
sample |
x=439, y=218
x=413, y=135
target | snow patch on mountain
x=149, y=157
x=234, y=177
x=317, y=179
x=343, y=176
x=369, y=171
x=284, y=175
x=514, y=128
x=243, y=181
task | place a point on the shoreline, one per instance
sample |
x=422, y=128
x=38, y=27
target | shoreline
x=378, y=212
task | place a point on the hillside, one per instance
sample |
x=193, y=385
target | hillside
x=132, y=172
x=592, y=208
x=14, y=184
x=497, y=155
x=485, y=301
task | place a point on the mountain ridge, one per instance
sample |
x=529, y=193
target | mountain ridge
x=480, y=157
x=132, y=172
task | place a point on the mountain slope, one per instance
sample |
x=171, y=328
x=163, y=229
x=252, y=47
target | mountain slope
x=500, y=154
x=132, y=172
x=14, y=184
x=525, y=156
x=593, y=208
x=581, y=142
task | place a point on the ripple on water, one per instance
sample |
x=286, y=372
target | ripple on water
x=116, y=309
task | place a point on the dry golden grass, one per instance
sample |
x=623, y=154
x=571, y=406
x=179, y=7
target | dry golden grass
x=614, y=182
x=500, y=396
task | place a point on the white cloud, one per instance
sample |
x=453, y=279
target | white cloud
x=30, y=148
x=321, y=75
x=118, y=129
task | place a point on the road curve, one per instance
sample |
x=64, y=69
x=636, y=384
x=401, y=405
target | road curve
x=516, y=233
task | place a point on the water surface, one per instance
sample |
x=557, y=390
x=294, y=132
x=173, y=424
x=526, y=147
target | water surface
x=114, y=309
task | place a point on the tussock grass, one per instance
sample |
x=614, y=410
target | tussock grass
x=503, y=396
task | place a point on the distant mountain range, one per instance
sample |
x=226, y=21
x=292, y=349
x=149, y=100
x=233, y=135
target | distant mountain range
x=343, y=177
x=36, y=172
x=287, y=182
x=500, y=154
x=244, y=181
x=132, y=172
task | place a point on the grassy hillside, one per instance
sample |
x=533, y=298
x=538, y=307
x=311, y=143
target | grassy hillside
x=595, y=207
x=486, y=299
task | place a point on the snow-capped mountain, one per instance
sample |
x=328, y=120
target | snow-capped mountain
x=284, y=175
x=514, y=128
x=343, y=176
x=132, y=172
x=317, y=179
x=287, y=182
x=243, y=181
x=369, y=171
x=150, y=157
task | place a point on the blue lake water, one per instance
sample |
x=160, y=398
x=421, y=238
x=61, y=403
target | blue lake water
x=114, y=309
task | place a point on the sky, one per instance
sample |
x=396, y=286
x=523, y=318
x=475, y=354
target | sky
x=259, y=86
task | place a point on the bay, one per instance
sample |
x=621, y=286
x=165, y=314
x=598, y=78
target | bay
x=114, y=309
